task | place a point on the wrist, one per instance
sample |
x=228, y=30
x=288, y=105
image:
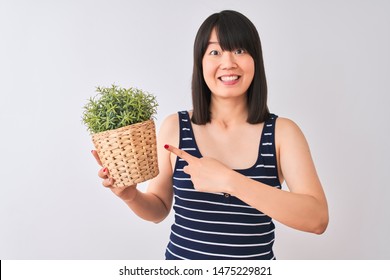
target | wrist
x=233, y=180
x=127, y=194
x=131, y=197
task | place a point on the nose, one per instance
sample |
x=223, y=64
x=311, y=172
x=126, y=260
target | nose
x=228, y=61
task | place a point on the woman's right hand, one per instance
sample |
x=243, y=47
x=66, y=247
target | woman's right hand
x=127, y=193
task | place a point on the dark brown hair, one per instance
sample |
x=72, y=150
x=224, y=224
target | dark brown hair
x=234, y=31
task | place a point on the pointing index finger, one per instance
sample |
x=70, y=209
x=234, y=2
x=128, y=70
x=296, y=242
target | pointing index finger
x=181, y=154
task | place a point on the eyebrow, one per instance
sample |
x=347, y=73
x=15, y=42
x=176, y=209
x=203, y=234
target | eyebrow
x=212, y=43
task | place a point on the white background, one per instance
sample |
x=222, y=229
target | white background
x=327, y=64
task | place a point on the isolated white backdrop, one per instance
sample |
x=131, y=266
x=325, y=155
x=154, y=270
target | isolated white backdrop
x=327, y=65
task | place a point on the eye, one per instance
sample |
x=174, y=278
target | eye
x=214, y=52
x=239, y=51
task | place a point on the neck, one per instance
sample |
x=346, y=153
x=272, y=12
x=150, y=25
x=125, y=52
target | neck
x=229, y=112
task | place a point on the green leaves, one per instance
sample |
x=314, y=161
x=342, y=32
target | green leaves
x=115, y=107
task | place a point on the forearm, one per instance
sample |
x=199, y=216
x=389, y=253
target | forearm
x=147, y=206
x=300, y=211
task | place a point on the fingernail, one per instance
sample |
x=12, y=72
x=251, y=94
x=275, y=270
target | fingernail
x=166, y=146
x=105, y=169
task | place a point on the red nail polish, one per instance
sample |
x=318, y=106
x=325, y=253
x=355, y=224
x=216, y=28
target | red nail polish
x=166, y=146
x=105, y=169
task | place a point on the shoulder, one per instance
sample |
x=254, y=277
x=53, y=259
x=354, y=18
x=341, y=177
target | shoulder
x=169, y=129
x=170, y=123
x=170, y=119
x=286, y=125
x=288, y=132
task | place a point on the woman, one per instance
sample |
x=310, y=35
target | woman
x=232, y=159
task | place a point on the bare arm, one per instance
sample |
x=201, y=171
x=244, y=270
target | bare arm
x=154, y=204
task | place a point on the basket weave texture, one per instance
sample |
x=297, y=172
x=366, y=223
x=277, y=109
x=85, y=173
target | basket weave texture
x=129, y=153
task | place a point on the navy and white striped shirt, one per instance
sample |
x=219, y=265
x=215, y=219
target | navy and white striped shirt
x=216, y=225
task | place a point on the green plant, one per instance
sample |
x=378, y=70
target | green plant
x=114, y=107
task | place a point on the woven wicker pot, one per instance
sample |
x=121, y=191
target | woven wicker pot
x=129, y=152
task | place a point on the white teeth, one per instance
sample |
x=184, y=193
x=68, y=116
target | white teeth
x=229, y=78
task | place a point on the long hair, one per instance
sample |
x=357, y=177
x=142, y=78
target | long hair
x=234, y=31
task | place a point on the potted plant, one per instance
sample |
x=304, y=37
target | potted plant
x=121, y=122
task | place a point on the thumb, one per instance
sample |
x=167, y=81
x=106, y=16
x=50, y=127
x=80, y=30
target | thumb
x=96, y=156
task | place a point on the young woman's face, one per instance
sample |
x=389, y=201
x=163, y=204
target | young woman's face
x=227, y=73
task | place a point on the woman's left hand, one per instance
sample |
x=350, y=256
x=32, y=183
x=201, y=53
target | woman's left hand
x=207, y=174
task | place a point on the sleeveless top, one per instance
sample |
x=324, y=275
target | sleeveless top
x=216, y=225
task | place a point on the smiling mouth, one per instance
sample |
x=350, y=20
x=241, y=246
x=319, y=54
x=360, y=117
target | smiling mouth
x=229, y=78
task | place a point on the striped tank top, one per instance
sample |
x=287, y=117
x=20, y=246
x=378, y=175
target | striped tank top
x=216, y=225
